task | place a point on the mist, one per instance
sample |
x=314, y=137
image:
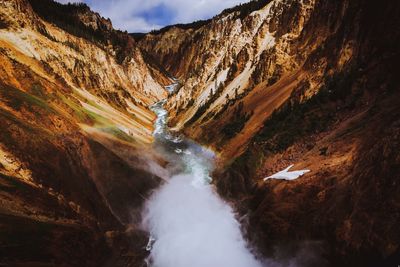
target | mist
x=189, y=224
x=192, y=226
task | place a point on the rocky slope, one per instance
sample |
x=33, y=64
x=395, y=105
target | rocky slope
x=235, y=58
x=75, y=129
x=310, y=83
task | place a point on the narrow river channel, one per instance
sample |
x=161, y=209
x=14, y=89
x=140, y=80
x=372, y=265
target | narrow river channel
x=190, y=225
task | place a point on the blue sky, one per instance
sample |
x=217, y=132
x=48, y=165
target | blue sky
x=146, y=15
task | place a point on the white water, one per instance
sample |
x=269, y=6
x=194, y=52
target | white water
x=190, y=225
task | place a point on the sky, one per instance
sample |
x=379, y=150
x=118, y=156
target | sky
x=146, y=15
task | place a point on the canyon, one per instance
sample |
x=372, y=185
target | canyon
x=264, y=85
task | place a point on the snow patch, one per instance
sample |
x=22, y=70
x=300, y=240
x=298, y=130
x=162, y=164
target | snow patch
x=287, y=175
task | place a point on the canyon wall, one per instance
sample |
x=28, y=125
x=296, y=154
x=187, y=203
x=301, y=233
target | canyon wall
x=311, y=83
x=265, y=84
x=75, y=135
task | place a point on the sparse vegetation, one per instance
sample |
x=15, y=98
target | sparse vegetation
x=289, y=123
x=45, y=33
x=67, y=18
x=245, y=9
x=295, y=120
x=204, y=107
x=138, y=36
x=230, y=102
x=73, y=46
x=237, y=122
x=194, y=25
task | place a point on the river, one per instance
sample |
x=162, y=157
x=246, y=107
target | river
x=189, y=224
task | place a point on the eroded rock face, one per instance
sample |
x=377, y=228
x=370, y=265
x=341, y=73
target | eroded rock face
x=309, y=83
x=75, y=130
x=231, y=60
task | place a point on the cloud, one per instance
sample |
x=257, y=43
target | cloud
x=143, y=16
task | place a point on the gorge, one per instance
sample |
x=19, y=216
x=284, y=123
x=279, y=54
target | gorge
x=188, y=224
x=105, y=160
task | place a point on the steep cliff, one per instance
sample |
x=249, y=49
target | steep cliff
x=75, y=129
x=312, y=83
